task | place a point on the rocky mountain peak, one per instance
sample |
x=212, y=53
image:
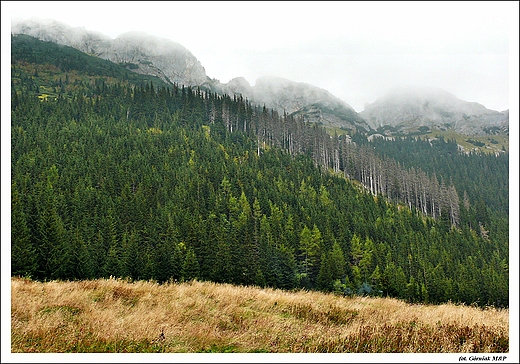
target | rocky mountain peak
x=282, y=94
x=404, y=108
x=239, y=86
x=173, y=63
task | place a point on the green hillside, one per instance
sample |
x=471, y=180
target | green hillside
x=50, y=70
x=115, y=177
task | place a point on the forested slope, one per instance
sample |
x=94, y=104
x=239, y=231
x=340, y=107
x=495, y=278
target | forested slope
x=111, y=178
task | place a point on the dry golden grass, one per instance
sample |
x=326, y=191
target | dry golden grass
x=118, y=316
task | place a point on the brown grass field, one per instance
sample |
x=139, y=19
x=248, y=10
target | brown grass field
x=202, y=317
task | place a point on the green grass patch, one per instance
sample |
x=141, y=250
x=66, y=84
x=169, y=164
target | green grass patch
x=483, y=144
x=230, y=348
x=70, y=310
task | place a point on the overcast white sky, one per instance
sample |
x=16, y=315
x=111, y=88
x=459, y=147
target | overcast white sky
x=357, y=51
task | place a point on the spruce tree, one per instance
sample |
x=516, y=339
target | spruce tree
x=23, y=253
x=190, y=268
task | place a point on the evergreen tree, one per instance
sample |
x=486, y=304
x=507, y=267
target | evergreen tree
x=190, y=268
x=50, y=235
x=113, y=263
x=310, y=244
x=132, y=262
x=23, y=253
x=287, y=267
x=332, y=268
x=81, y=258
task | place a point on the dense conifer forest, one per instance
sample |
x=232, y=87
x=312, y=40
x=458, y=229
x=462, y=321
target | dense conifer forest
x=118, y=174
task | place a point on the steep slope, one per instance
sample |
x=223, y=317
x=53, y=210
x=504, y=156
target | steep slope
x=140, y=52
x=49, y=70
x=331, y=114
x=413, y=107
x=161, y=57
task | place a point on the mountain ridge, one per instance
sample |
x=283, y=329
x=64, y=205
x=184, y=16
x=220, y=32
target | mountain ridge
x=312, y=103
x=173, y=63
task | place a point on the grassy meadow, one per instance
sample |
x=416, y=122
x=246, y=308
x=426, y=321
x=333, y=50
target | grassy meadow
x=200, y=317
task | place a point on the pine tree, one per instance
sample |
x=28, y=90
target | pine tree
x=132, y=260
x=50, y=235
x=332, y=268
x=310, y=244
x=287, y=267
x=81, y=258
x=190, y=268
x=163, y=263
x=23, y=253
x=222, y=270
x=113, y=263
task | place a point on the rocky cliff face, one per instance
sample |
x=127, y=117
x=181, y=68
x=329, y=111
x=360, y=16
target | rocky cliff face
x=138, y=51
x=409, y=108
x=238, y=86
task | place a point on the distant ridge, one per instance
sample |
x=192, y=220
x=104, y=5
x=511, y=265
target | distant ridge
x=413, y=107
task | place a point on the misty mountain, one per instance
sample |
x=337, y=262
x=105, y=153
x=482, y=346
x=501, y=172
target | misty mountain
x=400, y=111
x=173, y=63
x=53, y=31
x=410, y=108
x=138, y=51
x=298, y=99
